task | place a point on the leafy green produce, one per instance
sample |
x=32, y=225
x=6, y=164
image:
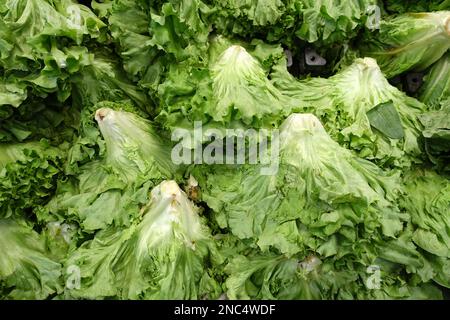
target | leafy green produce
x=272, y=17
x=278, y=277
x=108, y=190
x=323, y=21
x=28, y=175
x=437, y=83
x=385, y=119
x=328, y=21
x=402, y=6
x=162, y=256
x=234, y=91
x=42, y=45
x=428, y=203
x=346, y=103
x=38, y=119
x=411, y=41
x=26, y=271
x=437, y=135
x=319, y=189
x=235, y=149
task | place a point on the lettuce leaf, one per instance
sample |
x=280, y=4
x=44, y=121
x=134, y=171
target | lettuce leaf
x=304, y=278
x=26, y=271
x=326, y=21
x=436, y=88
x=28, y=176
x=233, y=90
x=42, y=44
x=437, y=135
x=410, y=41
x=428, y=203
x=401, y=6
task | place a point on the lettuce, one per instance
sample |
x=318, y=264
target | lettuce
x=101, y=82
x=411, y=41
x=327, y=22
x=436, y=88
x=348, y=103
x=428, y=202
x=42, y=45
x=233, y=89
x=161, y=33
x=344, y=197
x=324, y=22
x=277, y=277
x=437, y=135
x=107, y=190
x=26, y=271
x=162, y=256
x=402, y=6
x=317, y=199
x=273, y=19
x=28, y=176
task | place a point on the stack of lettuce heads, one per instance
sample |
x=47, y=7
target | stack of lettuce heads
x=349, y=200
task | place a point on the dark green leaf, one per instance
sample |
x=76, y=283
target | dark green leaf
x=384, y=117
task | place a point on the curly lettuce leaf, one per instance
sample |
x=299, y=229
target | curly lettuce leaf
x=427, y=200
x=308, y=277
x=42, y=43
x=26, y=271
x=326, y=21
x=402, y=6
x=273, y=20
x=161, y=34
x=12, y=92
x=28, y=176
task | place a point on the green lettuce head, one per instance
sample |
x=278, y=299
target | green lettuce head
x=362, y=111
x=108, y=191
x=241, y=88
x=233, y=91
x=411, y=41
x=317, y=199
x=165, y=255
